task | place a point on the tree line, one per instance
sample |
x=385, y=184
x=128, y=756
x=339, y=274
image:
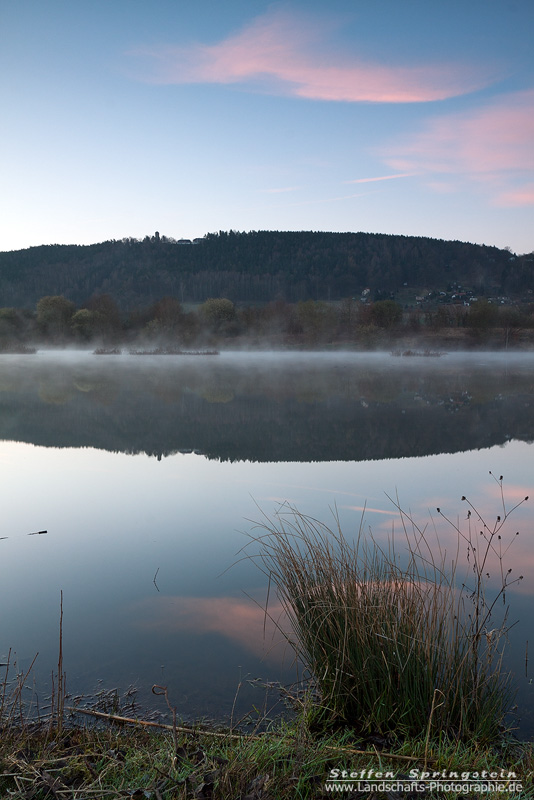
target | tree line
x=57, y=321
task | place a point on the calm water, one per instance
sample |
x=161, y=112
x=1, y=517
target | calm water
x=147, y=473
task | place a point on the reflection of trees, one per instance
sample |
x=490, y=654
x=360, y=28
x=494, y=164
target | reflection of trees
x=322, y=411
x=55, y=393
x=217, y=394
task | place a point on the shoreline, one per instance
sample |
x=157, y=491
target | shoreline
x=362, y=339
x=120, y=757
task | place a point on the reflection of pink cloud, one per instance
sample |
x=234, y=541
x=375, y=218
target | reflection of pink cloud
x=282, y=51
x=512, y=493
x=240, y=620
x=491, y=146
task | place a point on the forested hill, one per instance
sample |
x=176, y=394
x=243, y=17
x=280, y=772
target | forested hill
x=255, y=267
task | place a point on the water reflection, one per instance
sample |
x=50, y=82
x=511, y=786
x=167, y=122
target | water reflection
x=243, y=621
x=264, y=407
x=257, y=431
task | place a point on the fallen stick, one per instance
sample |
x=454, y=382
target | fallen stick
x=146, y=723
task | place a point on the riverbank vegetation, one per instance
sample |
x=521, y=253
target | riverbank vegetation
x=74, y=753
x=428, y=324
x=122, y=760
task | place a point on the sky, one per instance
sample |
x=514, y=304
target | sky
x=120, y=118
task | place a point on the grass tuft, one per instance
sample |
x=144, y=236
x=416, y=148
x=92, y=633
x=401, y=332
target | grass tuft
x=395, y=640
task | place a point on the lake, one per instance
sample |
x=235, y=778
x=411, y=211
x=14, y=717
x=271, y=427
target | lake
x=148, y=472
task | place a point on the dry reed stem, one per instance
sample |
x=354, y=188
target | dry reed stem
x=149, y=724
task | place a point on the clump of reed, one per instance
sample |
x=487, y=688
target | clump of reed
x=395, y=639
x=417, y=353
x=107, y=351
x=18, y=349
x=172, y=351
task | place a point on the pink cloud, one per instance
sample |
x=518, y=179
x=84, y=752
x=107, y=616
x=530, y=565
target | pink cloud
x=285, y=54
x=490, y=146
x=517, y=197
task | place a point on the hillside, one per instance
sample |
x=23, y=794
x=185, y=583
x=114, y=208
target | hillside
x=255, y=267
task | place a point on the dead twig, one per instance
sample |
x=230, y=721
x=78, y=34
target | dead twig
x=149, y=724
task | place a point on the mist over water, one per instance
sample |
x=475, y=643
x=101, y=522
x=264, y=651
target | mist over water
x=145, y=471
x=268, y=406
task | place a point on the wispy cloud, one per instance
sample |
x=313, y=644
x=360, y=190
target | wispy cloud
x=490, y=147
x=285, y=53
x=383, y=178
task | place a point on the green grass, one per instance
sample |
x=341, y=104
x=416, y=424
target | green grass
x=288, y=762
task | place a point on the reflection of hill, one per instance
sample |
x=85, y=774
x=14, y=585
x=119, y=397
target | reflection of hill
x=337, y=412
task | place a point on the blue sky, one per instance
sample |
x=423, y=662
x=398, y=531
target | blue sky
x=123, y=117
